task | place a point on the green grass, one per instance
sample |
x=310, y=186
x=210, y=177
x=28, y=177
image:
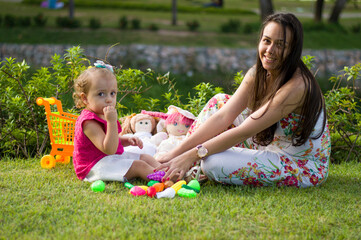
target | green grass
x=39, y=204
x=208, y=33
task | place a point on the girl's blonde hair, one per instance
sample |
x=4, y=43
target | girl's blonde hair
x=82, y=83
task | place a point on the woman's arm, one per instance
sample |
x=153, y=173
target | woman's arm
x=287, y=99
x=219, y=121
x=105, y=142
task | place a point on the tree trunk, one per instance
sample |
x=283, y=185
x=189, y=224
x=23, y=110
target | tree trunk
x=71, y=9
x=319, y=10
x=266, y=8
x=336, y=11
x=174, y=12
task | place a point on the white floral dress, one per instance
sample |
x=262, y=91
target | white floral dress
x=278, y=164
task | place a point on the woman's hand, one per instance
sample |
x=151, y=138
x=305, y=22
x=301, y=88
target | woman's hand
x=164, y=158
x=178, y=166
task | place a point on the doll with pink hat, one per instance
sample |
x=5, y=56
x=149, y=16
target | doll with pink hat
x=175, y=123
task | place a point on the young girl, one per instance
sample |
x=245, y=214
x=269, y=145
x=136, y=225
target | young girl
x=98, y=147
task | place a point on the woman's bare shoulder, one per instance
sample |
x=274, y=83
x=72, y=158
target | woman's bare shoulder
x=250, y=76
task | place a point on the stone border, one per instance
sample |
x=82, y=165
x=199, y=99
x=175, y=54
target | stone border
x=177, y=59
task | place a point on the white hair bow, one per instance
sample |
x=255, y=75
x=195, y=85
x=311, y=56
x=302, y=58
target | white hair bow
x=101, y=64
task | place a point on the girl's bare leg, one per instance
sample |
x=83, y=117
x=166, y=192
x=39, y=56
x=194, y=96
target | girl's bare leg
x=143, y=167
x=150, y=160
x=140, y=169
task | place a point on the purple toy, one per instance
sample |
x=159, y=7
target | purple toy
x=157, y=176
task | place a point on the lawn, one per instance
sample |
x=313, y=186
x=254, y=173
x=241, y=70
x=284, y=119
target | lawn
x=41, y=204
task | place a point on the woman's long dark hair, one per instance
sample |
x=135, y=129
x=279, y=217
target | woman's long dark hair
x=313, y=102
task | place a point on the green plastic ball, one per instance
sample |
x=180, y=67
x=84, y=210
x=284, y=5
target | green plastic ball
x=98, y=186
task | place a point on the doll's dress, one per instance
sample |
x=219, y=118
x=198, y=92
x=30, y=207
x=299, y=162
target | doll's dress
x=168, y=144
x=148, y=147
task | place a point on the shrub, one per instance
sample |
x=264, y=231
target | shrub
x=232, y=26
x=123, y=22
x=24, y=21
x=193, y=25
x=40, y=20
x=135, y=24
x=356, y=28
x=247, y=29
x=153, y=27
x=9, y=20
x=344, y=116
x=94, y=23
x=343, y=112
x=23, y=129
x=329, y=27
x=66, y=22
x=1, y=20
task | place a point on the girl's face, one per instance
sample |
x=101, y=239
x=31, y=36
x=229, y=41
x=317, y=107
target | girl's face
x=102, y=93
x=177, y=129
x=144, y=125
x=271, y=46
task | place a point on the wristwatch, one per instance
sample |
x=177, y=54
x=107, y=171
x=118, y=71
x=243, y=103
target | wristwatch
x=202, y=152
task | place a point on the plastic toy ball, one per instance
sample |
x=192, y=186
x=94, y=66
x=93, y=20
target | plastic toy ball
x=98, y=186
x=183, y=192
x=151, y=192
x=137, y=191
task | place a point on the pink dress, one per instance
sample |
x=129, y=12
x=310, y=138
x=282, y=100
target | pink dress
x=86, y=155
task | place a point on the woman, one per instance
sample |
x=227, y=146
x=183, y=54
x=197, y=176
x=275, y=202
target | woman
x=277, y=118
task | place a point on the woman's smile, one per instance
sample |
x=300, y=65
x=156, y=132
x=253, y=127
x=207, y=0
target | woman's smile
x=273, y=46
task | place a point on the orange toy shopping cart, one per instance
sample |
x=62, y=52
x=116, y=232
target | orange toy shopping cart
x=61, y=131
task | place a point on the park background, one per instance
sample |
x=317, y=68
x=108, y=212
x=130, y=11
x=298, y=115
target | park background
x=36, y=203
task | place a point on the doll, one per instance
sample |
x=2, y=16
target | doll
x=175, y=123
x=142, y=126
x=141, y=123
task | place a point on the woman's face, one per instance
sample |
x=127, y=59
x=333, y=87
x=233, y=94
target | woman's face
x=271, y=46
